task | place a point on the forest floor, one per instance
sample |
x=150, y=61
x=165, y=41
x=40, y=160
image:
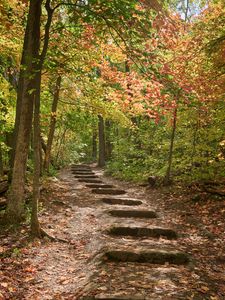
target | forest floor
x=79, y=269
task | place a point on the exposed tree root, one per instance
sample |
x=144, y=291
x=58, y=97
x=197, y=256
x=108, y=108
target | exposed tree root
x=41, y=233
x=52, y=238
x=213, y=191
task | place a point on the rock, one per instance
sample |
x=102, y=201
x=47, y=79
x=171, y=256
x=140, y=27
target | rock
x=121, y=201
x=133, y=213
x=90, y=180
x=3, y=203
x=143, y=232
x=115, y=297
x=150, y=256
x=105, y=186
x=85, y=176
x=83, y=173
x=108, y=191
x=3, y=186
x=152, y=180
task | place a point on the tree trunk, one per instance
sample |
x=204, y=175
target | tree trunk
x=9, y=141
x=170, y=158
x=108, y=144
x=24, y=112
x=94, y=145
x=101, y=142
x=35, y=226
x=52, y=124
x=36, y=231
x=195, y=138
x=43, y=145
x=1, y=162
x=61, y=141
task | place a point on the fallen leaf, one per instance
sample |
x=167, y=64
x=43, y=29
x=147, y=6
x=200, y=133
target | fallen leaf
x=204, y=289
x=4, y=284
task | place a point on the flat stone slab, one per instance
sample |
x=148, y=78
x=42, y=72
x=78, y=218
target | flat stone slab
x=142, y=232
x=121, y=201
x=122, y=213
x=83, y=173
x=90, y=180
x=115, y=297
x=80, y=166
x=108, y=191
x=81, y=169
x=105, y=186
x=151, y=256
x=85, y=176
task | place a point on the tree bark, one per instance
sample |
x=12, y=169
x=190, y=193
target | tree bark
x=94, y=145
x=101, y=142
x=9, y=141
x=35, y=226
x=61, y=141
x=195, y=138
x=108, y=144
x=52, y=124
x=24, y=112
x=43, y=145
x=36, y=230
x=1, y=162
x=170, y=158
x=3, y=186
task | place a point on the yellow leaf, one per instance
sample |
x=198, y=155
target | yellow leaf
x=4, y=284
x=204, y=289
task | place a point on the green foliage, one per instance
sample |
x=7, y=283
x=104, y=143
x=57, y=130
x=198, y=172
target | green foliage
x=198, y=150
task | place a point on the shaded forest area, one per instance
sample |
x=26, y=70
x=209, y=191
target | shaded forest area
x=132, y=87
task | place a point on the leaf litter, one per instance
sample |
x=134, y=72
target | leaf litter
x=40, y=270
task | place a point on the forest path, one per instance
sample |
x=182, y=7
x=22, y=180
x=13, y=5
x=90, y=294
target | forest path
x=111, y=256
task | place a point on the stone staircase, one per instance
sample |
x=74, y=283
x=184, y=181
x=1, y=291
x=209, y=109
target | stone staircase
x=136, y=255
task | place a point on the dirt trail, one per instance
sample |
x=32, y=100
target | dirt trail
x=159, y=256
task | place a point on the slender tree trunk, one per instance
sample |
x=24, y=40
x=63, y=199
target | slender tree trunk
x=61, y=141
x=194, y=145
x=25, y=100
x=52, y=124
x=41, y=157
x=94, y=145
x=36, y=231
x=101, y=142
x=170, y=158
x=186, y=11
x=1, y=162
x=43, y=145
x=9, y=140
x=195, y=137
x=108, y=144
x=21, y=83
x=35, y=226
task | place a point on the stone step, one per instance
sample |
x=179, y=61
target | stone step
x=115, y=297
x=143, y=232
x=90, y=180
x=108, y=191
x=121, y=201
x=81, y=169
x=132, y=213
x=154, y=256
x=105, y=186
x=86, y=176
x=80, y=166
x=83, y=173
